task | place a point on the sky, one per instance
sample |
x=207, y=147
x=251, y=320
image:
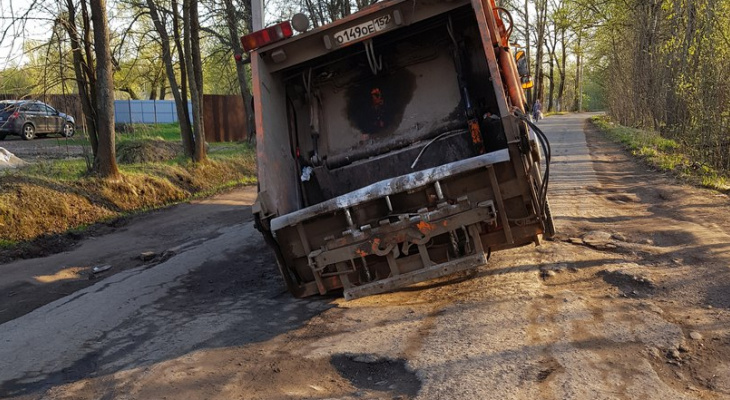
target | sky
x=39, y=25
x=14, y=34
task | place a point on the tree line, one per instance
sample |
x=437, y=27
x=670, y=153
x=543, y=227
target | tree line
x=655, y=64
x=665, y=64
x=156, y=47
x=659, y=65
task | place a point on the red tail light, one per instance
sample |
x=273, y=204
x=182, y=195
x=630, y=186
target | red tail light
x=267, y=36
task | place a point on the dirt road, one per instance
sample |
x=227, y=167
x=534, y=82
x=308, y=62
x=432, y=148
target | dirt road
x=53, y=147
x=630, y=301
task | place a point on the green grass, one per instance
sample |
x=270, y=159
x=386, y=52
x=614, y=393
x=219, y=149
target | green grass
x=61, y=170
x=129, y=132
x=662, y=153
x=550, y=113
x=82, y=199
x=143, y=131
x=7, y=244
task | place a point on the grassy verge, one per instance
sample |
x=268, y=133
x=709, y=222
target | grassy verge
x=130, y=132
x=663, y=154
x=57, y=196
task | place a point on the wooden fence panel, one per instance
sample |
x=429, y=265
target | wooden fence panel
x=224, y=118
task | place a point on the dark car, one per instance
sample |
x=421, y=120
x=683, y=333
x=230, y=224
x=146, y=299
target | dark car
x=28, y=119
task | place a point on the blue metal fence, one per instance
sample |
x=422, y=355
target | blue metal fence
x=146, y=111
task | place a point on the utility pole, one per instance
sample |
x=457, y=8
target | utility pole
x=257, y=15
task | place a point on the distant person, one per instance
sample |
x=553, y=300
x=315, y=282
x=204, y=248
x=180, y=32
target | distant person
x=537, y=110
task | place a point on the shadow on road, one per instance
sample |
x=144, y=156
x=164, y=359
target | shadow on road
x=221, y=304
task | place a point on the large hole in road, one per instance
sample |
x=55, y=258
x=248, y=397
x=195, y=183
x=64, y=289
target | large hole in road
x=371, y=373
x=629, y=284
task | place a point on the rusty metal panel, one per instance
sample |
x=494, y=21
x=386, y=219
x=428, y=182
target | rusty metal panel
x=485, y=19
x=277, y=173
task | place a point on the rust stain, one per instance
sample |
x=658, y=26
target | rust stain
x=375, y=245
x=361, y=253
x=476, y=136
x=376, y=105
x=425, y=227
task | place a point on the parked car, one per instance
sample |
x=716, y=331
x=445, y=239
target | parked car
x=29, y=118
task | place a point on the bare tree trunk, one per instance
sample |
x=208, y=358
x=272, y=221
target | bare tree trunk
x=561, y=70
x=578, y=100
x=541, y=8
x=153, y=90
x=163, y=90
x=552, y=48
x=105, y=162
x=187, y=133
x=551, y=87
x=193, y=64
x=131, y=92
x=82, y=81
x=240, y=68
x=181, y=105
x=176, y=29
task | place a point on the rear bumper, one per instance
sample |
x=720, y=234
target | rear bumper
x=390, y=187
x=9, y=127
x=407, y=229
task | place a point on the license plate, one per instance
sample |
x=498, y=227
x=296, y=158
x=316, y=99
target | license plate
x=364, y=30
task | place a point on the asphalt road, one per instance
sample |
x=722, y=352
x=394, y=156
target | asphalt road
x=631, y=300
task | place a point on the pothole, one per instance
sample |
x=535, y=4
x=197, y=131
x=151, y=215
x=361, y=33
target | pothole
x=629, y=284
x=545, y=369
x=623, y=198
x=370, y=373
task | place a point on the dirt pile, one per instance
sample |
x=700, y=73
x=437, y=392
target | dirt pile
x=147, y=151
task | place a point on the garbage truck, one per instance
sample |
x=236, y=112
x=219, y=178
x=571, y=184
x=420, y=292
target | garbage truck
x=393, y=146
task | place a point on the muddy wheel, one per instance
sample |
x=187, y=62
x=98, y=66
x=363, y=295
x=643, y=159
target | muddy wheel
x=28, y=132
x=68, y=130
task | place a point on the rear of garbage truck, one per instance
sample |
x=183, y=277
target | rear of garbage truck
x=393, y=147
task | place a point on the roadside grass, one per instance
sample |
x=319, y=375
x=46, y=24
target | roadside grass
x=128, y=132
x=662, y=153
x=56, y=196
